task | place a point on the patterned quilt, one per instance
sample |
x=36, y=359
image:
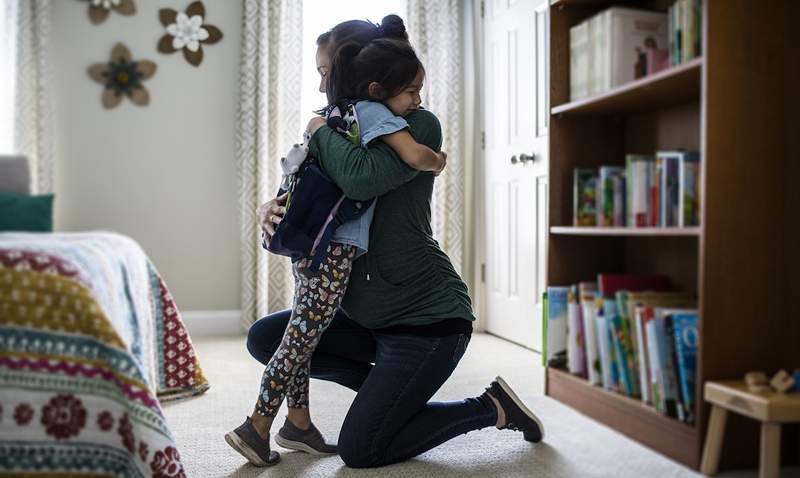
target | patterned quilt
x=90, y=341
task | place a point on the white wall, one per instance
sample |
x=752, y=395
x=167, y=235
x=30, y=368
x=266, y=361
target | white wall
x=164, y=174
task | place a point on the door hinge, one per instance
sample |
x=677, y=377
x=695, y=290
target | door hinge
x=483, y=273
x=483, y=8
x=483, y=140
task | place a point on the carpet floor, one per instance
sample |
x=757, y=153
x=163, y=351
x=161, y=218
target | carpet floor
x=575, y=446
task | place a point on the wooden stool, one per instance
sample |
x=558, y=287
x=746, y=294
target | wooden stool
x=770, y=408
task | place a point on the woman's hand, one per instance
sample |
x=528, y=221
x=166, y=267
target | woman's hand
x=443, y=157
x=270, y=214
x=316, y=123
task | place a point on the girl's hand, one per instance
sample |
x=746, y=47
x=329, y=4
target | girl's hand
x=270, y=215
x=316, y=123
x=443, y=157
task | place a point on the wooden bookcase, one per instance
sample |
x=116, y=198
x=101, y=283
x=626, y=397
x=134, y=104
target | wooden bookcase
x=737, y=105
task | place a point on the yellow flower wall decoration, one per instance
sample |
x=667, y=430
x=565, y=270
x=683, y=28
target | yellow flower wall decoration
x=122, y=76
x=187, y=31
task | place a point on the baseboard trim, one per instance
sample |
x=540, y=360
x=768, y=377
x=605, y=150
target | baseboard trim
x=204, y=323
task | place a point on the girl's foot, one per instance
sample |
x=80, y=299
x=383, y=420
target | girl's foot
x=516, y=415
x=246, y=440
x=309, y=441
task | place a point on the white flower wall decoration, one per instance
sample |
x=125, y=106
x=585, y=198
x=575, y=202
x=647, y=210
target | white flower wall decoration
x=187, y=31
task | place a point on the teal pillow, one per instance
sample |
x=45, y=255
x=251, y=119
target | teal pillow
x=23, y=212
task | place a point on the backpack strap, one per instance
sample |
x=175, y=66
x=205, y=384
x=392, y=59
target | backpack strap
x=324, y=235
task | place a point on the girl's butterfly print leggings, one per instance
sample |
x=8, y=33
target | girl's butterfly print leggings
x=316, y=297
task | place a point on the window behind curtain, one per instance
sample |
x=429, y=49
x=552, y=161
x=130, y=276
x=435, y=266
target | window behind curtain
x=320, y=16
x=7, y=74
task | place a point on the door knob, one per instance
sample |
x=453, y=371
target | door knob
x=523, y=158
x=514, y=159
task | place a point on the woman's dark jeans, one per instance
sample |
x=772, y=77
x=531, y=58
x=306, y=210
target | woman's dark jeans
x=391, y=419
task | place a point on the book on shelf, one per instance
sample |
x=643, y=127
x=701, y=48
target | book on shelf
x=608, y=370
x=684, y=326
x=584, y=197
x=622, y=353
x=613, y=47
x=611, y=197
x=684, y=20
x=667, y=177
x=609, y=284
x=579, y=61
x=640, y=173
x=576, y=356
x=688, y=190
x=556, y=327
x=588, y=301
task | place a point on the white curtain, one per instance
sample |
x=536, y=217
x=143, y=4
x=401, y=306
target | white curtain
x=442, y=32
x=25, y=65
x=268, y=123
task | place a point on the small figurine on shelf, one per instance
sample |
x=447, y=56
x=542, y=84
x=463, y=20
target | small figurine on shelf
x=757, y=382
x=782, y=382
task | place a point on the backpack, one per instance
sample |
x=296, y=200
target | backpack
x=317, y=206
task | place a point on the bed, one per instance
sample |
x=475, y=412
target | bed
x=91, y=342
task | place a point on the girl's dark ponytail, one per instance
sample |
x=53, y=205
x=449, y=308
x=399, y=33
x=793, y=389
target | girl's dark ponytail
x=341, y=78
x=392, y=27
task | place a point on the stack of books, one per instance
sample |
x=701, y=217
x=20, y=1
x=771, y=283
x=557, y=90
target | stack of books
x=614, y=47
x=684, y=25
x=650, y=191
x=627, y=333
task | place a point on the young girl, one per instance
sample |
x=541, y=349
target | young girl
x=356, y=61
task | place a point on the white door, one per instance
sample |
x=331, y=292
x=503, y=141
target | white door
x=517, y=114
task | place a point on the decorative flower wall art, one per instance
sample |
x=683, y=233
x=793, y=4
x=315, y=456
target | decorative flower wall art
x=99, y=9
x=122, y=76
x=187, y=31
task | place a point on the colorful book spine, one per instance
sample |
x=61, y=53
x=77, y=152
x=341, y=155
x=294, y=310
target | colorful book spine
x=685, y=334
x=575, y=335
x=584, y=190
x=609, y=213
x=643, y=353
x=668, y=379
x=672, y=366
x=604, y=345
x=556, y=325
x=588, y=291
x=626, y=336
x=667, y=167
x=637, y=168
x=656, y=376
x=620, y=354
x=689, y=193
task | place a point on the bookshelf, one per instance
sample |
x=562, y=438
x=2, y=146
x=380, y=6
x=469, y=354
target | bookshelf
x=733, y=105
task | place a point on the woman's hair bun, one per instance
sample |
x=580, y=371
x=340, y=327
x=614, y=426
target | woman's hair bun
x=393, y=27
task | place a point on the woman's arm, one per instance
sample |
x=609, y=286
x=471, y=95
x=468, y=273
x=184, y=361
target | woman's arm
x=366, y=173
x=418, y=156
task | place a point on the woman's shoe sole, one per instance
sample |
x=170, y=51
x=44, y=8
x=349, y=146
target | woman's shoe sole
x=298, y=446
x=244, y=449
x=506, y=388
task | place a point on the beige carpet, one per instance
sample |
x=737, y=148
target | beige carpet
x=575, y=446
